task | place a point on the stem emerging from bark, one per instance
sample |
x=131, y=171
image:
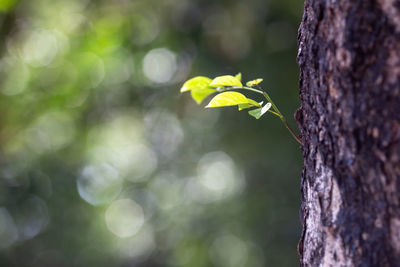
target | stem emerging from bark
x=275, y=110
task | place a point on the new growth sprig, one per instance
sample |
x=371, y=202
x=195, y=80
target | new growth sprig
x=226, y=87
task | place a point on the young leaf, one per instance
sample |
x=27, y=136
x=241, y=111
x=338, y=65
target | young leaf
x=254, y=103
x=226, y=80
x=244, y=106
x=251, y=103
x=198, y=82
x=258, y=112
x=239, y=76
x=254, y=82
x=199, y=95
x=227, y=99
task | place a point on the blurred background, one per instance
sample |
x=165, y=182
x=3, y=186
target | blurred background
x=104, y=163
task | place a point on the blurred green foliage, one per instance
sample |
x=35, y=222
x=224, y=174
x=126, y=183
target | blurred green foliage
x=104, y=163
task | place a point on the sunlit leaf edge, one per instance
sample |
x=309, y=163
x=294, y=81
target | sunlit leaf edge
x=226, y=80
x=198, y=82
x=227, y=99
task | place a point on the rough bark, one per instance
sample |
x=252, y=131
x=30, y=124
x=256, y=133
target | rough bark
x=349, y=58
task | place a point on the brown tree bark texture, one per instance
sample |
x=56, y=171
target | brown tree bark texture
x=349, y=58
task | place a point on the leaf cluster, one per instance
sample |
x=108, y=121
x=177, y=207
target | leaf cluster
x=201, y=87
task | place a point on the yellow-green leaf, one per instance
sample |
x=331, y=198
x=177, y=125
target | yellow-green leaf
x=244, y=106
x=226, y=80
x=239, y=76
x=199, y=95
x=254, y=103
x=256, y=113
x=254, y=82
x=227, y=99
x=198, y=83
x=251, y=103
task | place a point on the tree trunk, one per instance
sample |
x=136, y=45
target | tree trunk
x=349, y=57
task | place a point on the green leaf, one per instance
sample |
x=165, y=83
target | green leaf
x=199, y=87
x=239, y=76
x=226, y=80
x=199, y=95
x=254, y=82
x=254, y=103
x=198, y=83
x=258, y=112
x=251, y=103
x=244, y=106
x=227, y=99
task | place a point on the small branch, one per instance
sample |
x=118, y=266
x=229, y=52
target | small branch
x=273, y=112
x=295, y=136
x=272, y=103
x=274, y=107
x=246, y=88
x=283, y=119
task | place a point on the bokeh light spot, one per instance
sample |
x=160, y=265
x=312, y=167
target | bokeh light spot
x=142, y=161
x=8, y=230
x=137, y=247
x=165, y=131
x=32, y=217
x=217, y=178
x=124, y=218
x=229, y=251
x=159, y=65
x=99, y=184
x=145, y=27
x=51, y=131
x=16, y=75
x=167, y=189
x=119, y=143
x=117, y=70
x=40, y=48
